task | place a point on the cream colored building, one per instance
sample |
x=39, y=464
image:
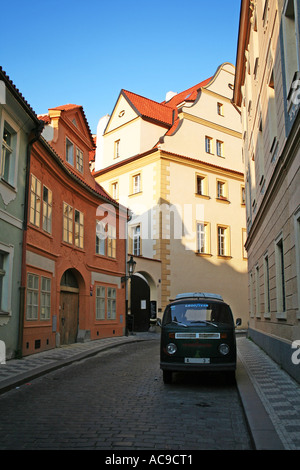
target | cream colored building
x=178, y=166
x=267, y=92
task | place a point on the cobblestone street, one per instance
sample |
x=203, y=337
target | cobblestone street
x=117, y=400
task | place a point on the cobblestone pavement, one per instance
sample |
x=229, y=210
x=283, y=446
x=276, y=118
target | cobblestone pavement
x=117, y=400
x=279, y=393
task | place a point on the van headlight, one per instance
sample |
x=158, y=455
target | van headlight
x=224, y=349
x=171, y=348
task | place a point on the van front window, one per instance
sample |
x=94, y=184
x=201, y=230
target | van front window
x=190, y=313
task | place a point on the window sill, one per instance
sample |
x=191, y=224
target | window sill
x=224, y=257
x=203, y=255
x=135, y=194
x=9, y=186
x=223, y=200
x=203, y=196
x=5, y=314
x=281, y=316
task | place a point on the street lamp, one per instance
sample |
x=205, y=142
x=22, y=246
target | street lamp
x=130, y=269
x=131, y=266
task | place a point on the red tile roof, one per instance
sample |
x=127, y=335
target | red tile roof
x=166, y=112
x=149, y=108
x=68, y=107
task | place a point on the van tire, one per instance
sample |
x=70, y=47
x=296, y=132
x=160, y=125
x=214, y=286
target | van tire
x=167, y=376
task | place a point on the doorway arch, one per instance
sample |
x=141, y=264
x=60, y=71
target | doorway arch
x=140, y=302
x=69, y=307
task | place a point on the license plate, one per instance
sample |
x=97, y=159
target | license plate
x=197, y=360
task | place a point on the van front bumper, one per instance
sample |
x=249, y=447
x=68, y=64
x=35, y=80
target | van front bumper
x=180, y=367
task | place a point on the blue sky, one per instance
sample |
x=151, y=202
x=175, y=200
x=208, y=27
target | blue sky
x=85, y=52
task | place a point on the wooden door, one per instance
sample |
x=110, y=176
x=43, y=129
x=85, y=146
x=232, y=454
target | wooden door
x=68, y=317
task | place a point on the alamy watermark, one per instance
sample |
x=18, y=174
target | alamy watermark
x=162, y=221
x=2, y=352
x=296, y=354
x=2, y=92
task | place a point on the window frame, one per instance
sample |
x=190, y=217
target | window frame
x=13, y=129
x=209, y=145
x=79, y=226
x=47, y=210
x=223, y=239
x=69, y=144
x=79, y=160
x=68, y=229
x=35, y=208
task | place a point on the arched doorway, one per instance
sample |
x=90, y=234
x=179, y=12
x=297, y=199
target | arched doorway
x=69, y=308
x=140, y=303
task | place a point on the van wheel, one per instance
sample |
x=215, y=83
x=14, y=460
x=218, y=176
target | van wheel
x=167, y=376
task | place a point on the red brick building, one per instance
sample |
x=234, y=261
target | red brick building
x=74, y=243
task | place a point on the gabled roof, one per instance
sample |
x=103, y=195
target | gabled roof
x=188, y=95
x=148, y=108
x=166, y=112
x=65, y=108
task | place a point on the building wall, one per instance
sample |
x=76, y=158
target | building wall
x=12, y=197
x=169, y=195
x=49, y=256
x=272, y=155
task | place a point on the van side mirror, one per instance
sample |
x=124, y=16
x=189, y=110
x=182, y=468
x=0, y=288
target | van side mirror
x=238, y=321
x=158, y=322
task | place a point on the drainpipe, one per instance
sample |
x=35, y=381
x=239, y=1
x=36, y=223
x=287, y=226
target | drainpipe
x=37, y=131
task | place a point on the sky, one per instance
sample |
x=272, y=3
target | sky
x=84, y=52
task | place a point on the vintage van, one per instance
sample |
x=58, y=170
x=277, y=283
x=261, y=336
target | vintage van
x=197, y=334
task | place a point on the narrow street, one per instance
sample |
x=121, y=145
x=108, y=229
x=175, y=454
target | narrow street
x=117, y=401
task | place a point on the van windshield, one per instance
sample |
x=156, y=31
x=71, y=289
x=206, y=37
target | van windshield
x=192, y=313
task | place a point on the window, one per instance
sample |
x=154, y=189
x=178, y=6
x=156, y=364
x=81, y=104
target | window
x=223, y=241
x=100, y=303
x=257, y=290
x=208, y=145
x=47, y=209
x=79, y=230
x=111, y=241
x=136, y=240
x=32, y=297
x=67, y=223
x=280, y=276
x=8, y=154
x=220, y=148
x=69, y=152
x=115, y=190
x=201, y=185
x=136, y=183
x=243, y=195
x=2, y=276
x=117, y=149
x=35, y=201
x=202, y=238
x=244, y=239
x=100, y=238
x=272, y=113
x=32, y=303
x=291, y=45
x=111, y=303
x=45, y=298
x=106, y=241
x=106, y=303
x=221, y=190
x=267, y=285
x=79, y=160
x=220, y=109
